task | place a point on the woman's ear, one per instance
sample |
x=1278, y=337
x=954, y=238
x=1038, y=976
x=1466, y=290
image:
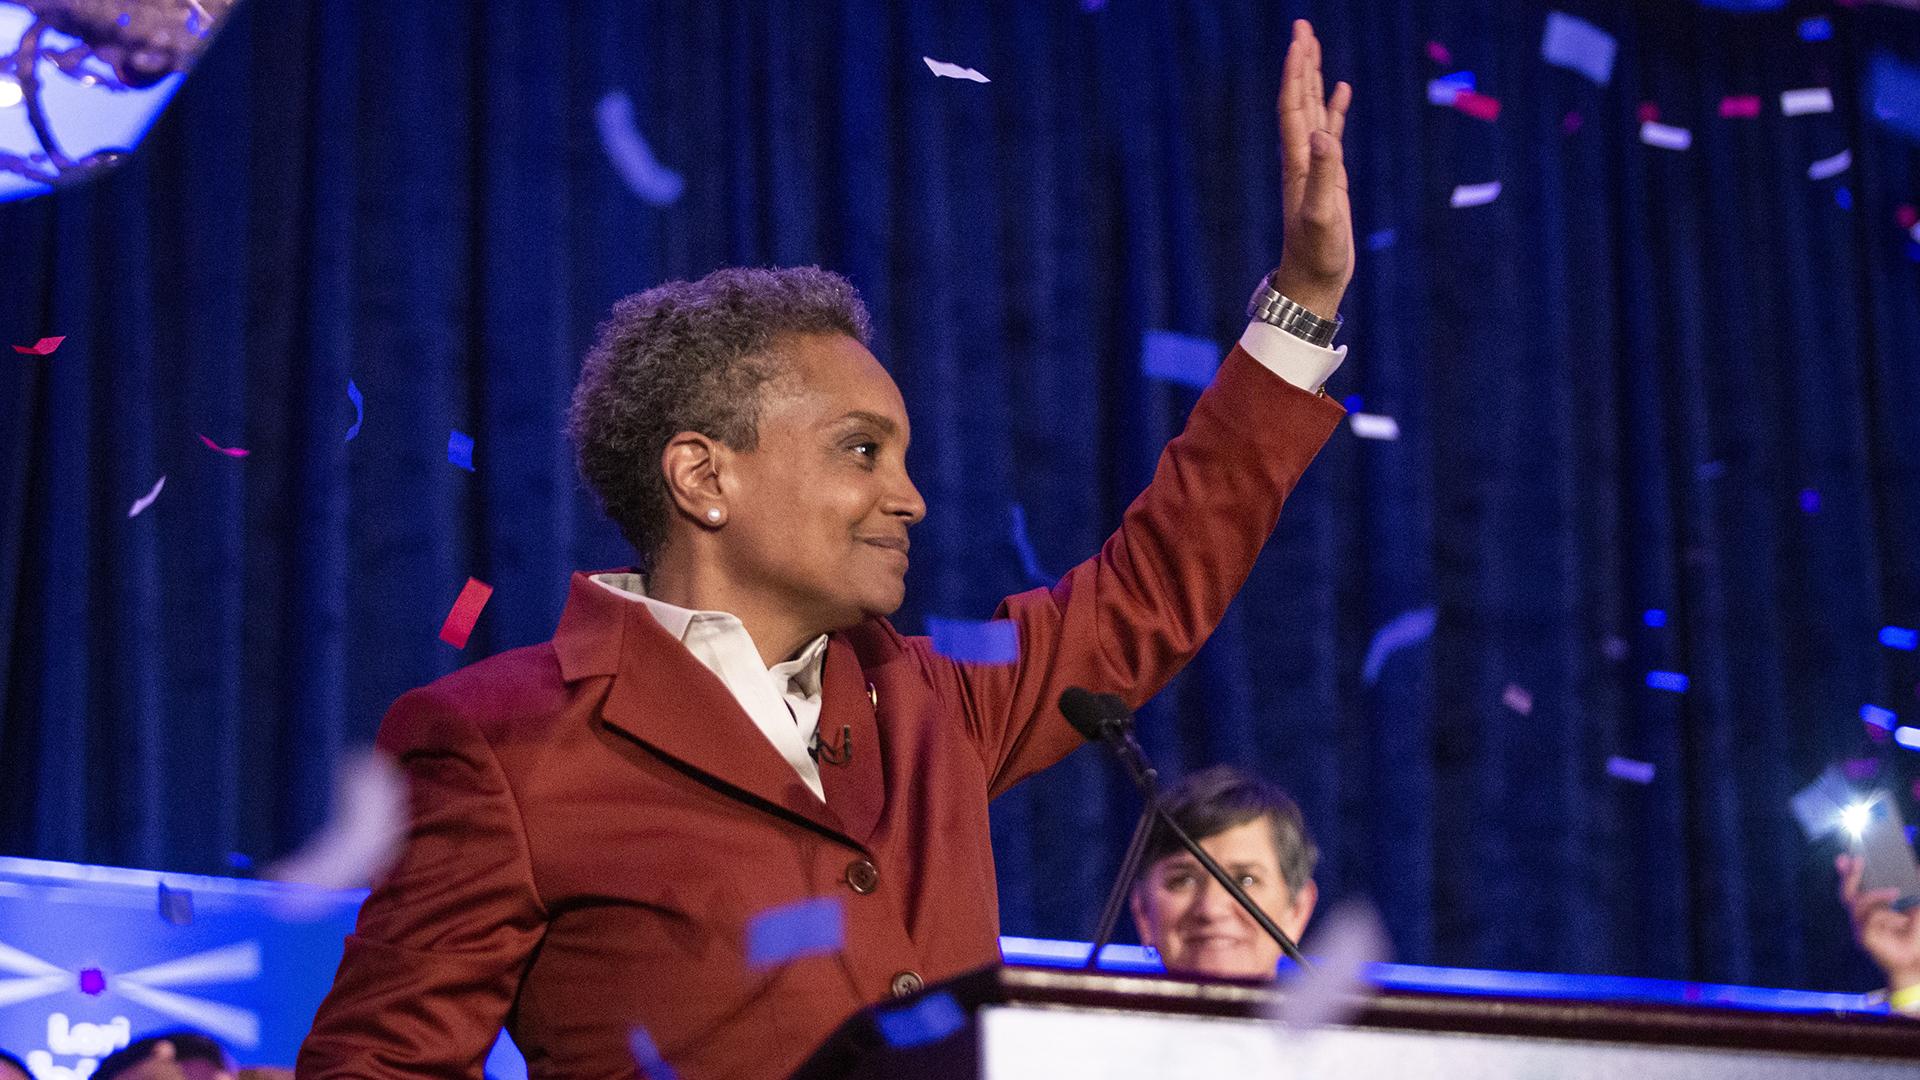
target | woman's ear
x=691, y=463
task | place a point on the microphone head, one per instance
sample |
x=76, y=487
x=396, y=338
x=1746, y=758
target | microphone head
x=1094, y=716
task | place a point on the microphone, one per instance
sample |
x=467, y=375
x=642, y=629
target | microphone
x=1105, y=718
x=831, y=754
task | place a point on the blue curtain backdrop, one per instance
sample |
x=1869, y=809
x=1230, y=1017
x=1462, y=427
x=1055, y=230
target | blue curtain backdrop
x=1639, y=379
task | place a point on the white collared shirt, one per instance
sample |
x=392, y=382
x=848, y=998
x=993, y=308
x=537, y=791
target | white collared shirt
x=782, y=701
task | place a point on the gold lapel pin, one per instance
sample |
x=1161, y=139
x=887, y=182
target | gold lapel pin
x=873, y=695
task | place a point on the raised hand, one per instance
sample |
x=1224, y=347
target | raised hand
x=1890, y=938
x=1316, y=262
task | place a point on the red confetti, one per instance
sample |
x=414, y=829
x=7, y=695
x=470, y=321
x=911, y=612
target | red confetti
x=1906, y=216
x=1439, y=54
x=1649, y=113
x=43, y=347
x=466, y=612
x=1478, y=106
x=230, y=451
x=1740, y=106
x=1571, y=123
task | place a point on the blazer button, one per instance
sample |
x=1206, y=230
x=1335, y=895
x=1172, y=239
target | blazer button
x=907, y=982
x=862, y=876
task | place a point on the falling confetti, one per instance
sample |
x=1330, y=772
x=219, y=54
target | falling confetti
x=1518, y=699
x=1830, y=166
x=1634, y=772
x=176, y=905
x=460, y=450
x=953, y=71
x=1445, y=89
x=812, y=927
x=1578, y=45
x=1671, y=681
x=44, y=347
x=1178, y=358
x=1346, y=943
x=1654, y=617
x=146, y=500
x=1806, y=102
x=1665, y=136
x=1374, y=426
x=1892, y=93
x=359, y=409
x=1571, y=123
x=973, y=642
x=1477, y=105
x=1439, y=54
x=1037, y=576
x=1381, y=239
x=364, y=831
x=1466, y=195
x=1649, y=113
x=465, y=612
x=646, y=1056
x=230, y=451
x=1405, y=630
x=928, y=1020
x=1614, y=649
x=1898, y=637
x=1740, y=107
x=652, y=182
x=1810, y=501
x=1816, y=28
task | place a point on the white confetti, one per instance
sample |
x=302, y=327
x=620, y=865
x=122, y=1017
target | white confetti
x=1806, y=102
x=1578, y=45
x=364, y=832
x=1665, y=136
x=1517, y=698
x=1346, y=943
x=953, y=71
x=1475, y=194
x=1443, y=91
x=1830, y=166
x=146, y=500
x=632, y=158
x=1374, y=426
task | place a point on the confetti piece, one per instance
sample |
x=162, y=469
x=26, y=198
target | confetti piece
x=1740, y=107
x=1439, y=54
x=1908, y=737
x=465, y=612
x=1443, y=90
x=1898, y=637
x=1817, y=806
x=1809, y=501
x=1614, y=649
x=359, y=409
x=1816, y=28
x=1907, y=217
x=1637, y=772
x=1883, y=719
x=1037, y=576
x=1178, y=358
x=1830, y=166
x=1578, y=45
x=1352, y=403
x=1671, y=681
x=1649, y=113
x=1477, y=105
x=973, y=642
x=642, y=173
x=1665, y=136
x=1843, y=197
x=1571, y=123
x=1346, y=943
x=1806, y=102
x=1517, y=698
x=44, y=347
x=1405, y=630
x=1374, y=426
x=1860, y=769
x=146, y=500
x=93, y=982
x=953, y=71
x=1711, y=470
x=1892, y=92
x=811, y=927
x=460, y=450
x=364, y=832
x=928, y=1020
x=176, y=905
x=237, y=860
x=1382, y=239
x=1745, y=6
x=647, y=1057
x=1654, y=617
x=1466, y=195
x=230, y=451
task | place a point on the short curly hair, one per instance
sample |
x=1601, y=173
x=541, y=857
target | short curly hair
x=691, y=356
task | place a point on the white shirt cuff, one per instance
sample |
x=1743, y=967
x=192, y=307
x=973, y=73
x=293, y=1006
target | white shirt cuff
x=1305, y=365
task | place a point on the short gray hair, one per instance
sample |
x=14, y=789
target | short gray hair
x=1222, y=797
x=690, y=356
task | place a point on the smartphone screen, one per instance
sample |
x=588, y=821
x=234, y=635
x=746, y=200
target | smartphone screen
x=1888, y=855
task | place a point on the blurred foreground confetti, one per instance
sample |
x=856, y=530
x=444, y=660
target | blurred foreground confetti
x=973, y=642
x=230, y=451
x=642, y=173
x=811, y=927
x=1407, y=629
x=1634, y=772
x=364, y=832
x=458, y=626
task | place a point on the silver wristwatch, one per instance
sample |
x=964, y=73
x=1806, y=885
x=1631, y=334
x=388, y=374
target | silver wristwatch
x=1270, y=307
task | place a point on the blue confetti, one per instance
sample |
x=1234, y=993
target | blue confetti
x=1899, y=637
x=1178, y=358
x=1744, y=6
x=359, y=409
x=1409, y=628
x=928, y=1020
x=1382, y=239
x=1817, y=28
x=1913, y=251
x=812, y=927
x=1843, y=198
x=1037, y=576
x=1578, y=45
x=1892, y=91
x=1654, y=617
x=647, y=1056
x=1461, y=79
x=1810, y=501
x=632, y=158
x=123, y=20
x=239, y=861
x=1352, y=403
x=973, y=642
x=460, y=450
x=176, y=905
x=1884, y=719
x=1667, y=680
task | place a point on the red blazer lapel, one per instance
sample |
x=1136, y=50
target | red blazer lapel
x=662, y=697
x=856, y=791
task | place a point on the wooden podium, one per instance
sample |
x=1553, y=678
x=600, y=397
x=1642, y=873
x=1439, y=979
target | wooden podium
x=1012, y=1023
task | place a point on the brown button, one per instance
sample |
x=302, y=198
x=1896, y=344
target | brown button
x=907, y=982
x=862, y=876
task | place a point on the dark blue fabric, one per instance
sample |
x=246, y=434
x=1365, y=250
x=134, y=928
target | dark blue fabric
x=1613, y=383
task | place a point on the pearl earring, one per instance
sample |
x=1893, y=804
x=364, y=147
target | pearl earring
x=713, y=514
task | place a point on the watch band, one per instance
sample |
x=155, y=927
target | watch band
x=1269, y=306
